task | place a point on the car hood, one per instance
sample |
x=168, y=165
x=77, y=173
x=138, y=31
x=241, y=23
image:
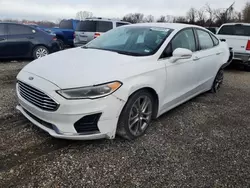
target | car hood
x=80, y=67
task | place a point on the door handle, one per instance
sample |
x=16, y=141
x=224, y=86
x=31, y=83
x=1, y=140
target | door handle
x=30, y=37
x=218, y=53
x=2, y=39
x=196, y=58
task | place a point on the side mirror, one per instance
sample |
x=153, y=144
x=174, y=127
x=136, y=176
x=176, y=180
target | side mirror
x=181, y=53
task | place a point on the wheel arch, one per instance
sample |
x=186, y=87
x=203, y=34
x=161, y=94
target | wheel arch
x=37, y=45
x=153, y=93
x=61, y=37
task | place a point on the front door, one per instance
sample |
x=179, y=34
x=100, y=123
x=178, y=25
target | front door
x=180, y=74
x=3, y=40
x=19, y=40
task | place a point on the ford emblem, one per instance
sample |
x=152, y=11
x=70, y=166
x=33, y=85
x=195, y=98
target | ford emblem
x=31, y=78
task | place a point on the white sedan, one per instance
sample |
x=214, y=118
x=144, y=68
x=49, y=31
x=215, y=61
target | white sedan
x=119, y=82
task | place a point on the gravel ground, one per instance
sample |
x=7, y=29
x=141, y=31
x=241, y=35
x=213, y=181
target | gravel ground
x=203, y=143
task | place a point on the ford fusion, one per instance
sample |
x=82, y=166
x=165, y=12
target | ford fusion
x=119, y=82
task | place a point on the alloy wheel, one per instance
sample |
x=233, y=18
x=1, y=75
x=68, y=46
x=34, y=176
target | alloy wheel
x=140, y=115
x=218, y=80
x=41, y=52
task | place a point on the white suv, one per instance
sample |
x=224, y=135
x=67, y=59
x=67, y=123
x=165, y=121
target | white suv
x=237, y=36
x=91, y=28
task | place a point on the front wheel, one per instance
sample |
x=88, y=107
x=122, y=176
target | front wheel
x=40, y=51
x=136, y=115
x=218, y=81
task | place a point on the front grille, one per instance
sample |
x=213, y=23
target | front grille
x=36, y=97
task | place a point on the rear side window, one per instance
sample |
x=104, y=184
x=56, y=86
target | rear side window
x=2, y=29
x=205, y=40
x=118, y=24
x=19, y=30
x=215, y=40
x=66, y=24
x=104, y=26
x=240, y=30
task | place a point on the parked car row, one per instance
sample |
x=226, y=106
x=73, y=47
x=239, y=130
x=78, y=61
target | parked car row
x=19, y=41
x=30, y=40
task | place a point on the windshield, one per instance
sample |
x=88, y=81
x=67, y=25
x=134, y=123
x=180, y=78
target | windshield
x=137, y=41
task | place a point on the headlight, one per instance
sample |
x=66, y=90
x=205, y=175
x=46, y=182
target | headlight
x=90, y=92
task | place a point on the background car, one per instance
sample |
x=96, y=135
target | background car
x=91, y=28
x=212, y=29
x=18, y=40
x=65, y=32
x=237, y=36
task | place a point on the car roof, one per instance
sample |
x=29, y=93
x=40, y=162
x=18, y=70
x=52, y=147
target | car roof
x=248, y=24
x=177, y=26
x=105, y=19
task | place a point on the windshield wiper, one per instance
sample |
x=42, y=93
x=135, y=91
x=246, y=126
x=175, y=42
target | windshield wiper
x=128, y=53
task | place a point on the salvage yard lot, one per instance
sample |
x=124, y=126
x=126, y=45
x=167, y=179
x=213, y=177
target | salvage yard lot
x=203, y=143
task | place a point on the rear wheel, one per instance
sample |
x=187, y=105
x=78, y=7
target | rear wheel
x=218, y=81
x=61, y=44
x=247, y=67
x=136, y=115
x=40, y=51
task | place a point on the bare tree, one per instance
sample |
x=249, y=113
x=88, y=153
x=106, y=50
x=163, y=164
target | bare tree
x=191, y=15
x=211, y=14
x=81, y=15
x=201, y=17
x=246, y=13
x=162, y=19
x=180, y=19
x=149, y=18
x=134, y=18
x=169, y=18
x=224, y=16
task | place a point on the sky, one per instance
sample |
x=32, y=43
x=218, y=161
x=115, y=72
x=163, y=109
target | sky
x=64, y=9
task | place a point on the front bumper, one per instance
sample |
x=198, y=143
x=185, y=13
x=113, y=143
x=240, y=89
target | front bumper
x=69, y=112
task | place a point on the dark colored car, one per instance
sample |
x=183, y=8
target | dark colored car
x=23, y=41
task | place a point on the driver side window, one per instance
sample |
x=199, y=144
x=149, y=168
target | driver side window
x=184, y=39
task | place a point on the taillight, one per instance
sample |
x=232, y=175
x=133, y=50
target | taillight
x=54, y=38
x=248, y=45
x=74, y=35
x=97, y=35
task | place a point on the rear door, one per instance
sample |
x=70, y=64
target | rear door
x=3, y=40
x=19, y=40
x=236, y=36
x=85, y=31
x=89, y=29
x=207, y=59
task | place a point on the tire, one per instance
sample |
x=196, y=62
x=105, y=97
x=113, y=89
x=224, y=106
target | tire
x=40, y=51
x=218, y=81
x=61, y=44
x=247, y=67
x=135, y=118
